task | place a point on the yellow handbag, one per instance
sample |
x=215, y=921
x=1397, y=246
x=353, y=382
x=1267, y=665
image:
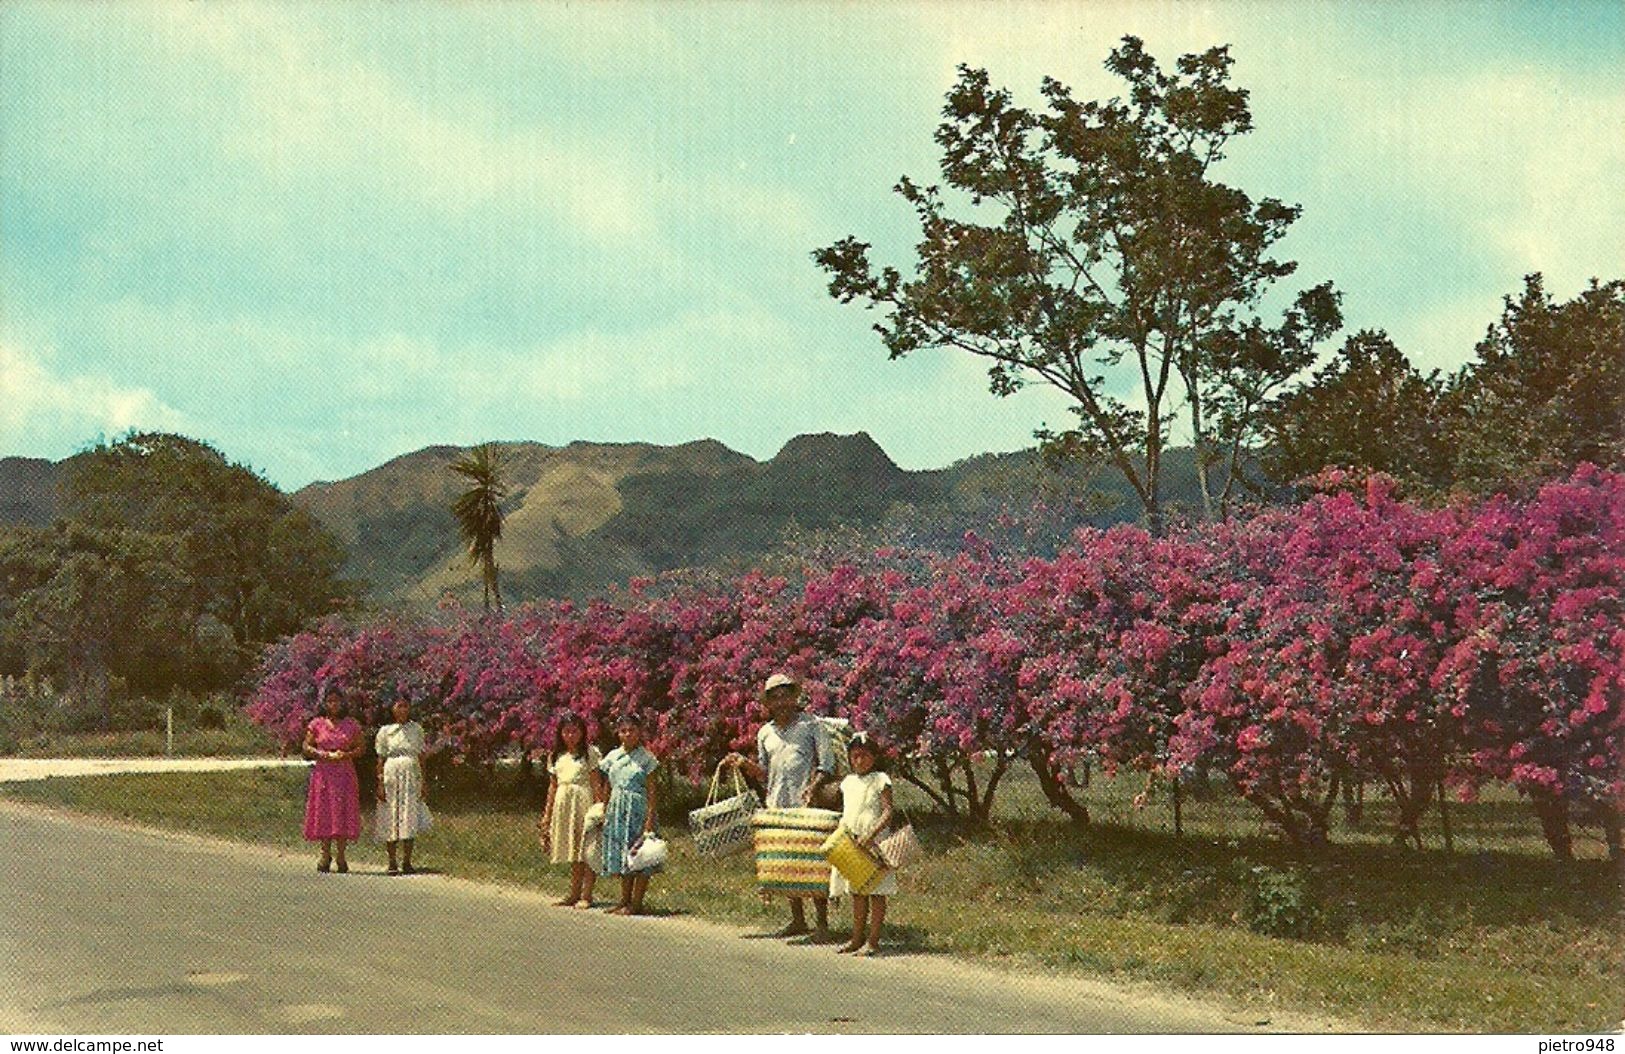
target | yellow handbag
x=858, y=865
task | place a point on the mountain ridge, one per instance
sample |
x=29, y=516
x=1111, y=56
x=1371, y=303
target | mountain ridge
x=588, y=515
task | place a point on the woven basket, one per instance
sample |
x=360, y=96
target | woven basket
x=790, y=850
x=862, y=870
x=723, y=827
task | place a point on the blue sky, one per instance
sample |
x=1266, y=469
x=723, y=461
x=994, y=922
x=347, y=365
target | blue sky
x=320, y=235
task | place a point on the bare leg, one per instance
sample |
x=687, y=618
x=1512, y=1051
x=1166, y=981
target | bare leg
x=821, y=914
x=860, y=923
x=338, y=854
x=625, y=903
x=406, y=855
x=798, y=919
x=575, y=885
x=589, y=879
x=640, y=886
x=389, y=847
x=327, y=855
x=877, y=918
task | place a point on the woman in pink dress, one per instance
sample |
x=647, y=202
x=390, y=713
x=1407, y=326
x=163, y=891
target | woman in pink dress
x=333, y=806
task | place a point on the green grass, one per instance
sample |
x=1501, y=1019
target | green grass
x=210, y=726
x=232, y=741
x=1494, y=936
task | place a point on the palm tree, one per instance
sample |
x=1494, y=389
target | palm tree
x=479, y=512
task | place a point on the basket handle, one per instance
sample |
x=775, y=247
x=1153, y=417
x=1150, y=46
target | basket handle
x=739, y=785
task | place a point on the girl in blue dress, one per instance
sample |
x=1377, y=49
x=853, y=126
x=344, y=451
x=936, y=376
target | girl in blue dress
x=630, y=814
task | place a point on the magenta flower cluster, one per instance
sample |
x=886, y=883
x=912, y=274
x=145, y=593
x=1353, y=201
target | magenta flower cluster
x=1354, y=637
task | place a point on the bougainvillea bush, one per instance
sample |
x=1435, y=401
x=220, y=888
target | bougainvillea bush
x=1536, y=666
x=1353, y=637
x=1320, y=673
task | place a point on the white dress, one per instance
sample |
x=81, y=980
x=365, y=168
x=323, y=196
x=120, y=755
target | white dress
x=402, y=813
x=570, y=804
x=861, y=808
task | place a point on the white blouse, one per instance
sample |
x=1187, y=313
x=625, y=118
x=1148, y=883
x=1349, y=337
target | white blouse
x=863, y=802
x=400, y=741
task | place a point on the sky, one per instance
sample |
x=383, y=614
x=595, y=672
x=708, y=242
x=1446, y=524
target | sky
x=320, y=235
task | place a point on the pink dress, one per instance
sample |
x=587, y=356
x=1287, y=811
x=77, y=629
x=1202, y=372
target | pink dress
x=333, y=806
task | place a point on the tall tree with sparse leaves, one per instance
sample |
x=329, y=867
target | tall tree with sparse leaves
x=478, y=511
x=1107, y=241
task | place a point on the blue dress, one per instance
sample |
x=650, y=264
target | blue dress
x=628, y=807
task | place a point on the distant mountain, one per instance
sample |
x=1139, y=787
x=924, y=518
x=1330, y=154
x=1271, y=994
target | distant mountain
x=585, y=516
x=588, y=515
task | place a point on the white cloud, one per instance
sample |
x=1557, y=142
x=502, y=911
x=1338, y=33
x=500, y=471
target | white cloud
x=1443, y=336
x=316, y=113
x=1530, y=161
x=1565, y=211
x=40, y=408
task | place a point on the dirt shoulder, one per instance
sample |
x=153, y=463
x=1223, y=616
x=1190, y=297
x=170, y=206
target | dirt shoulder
x=19, y=770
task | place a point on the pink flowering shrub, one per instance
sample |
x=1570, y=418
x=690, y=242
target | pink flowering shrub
x=1536, y=667
x=369, y=666
x=1355, y=637
x=1118, y=624
x=935, y=672
x=1322, y=674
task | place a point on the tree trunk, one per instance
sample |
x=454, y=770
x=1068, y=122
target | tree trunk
x=985, y=808
x=906, y=772
x=1553, y=811
x=527, y=774
x=1444, y=819
x=1056, y=792
x=1354, y=802
x=1199, y=447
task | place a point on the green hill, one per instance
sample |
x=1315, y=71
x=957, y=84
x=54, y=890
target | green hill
x=583, y=517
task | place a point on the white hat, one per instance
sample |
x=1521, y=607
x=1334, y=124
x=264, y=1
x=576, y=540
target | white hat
x=779, y=680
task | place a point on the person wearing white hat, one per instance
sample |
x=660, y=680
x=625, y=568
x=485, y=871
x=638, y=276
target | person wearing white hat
x=794, y=757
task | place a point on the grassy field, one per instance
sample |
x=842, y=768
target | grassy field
x=1494, y=936
x=53, y=727
x=234, y=740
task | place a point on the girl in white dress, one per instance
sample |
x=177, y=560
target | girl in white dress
x=575, y=785
x=401, y=814
x=866, y=812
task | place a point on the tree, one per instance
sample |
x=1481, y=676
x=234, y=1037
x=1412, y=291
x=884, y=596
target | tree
x=1547, y=390
x=252, y=561
x=1111, y=242
x=1368, y=408
x=100, y=611
x=478, y=511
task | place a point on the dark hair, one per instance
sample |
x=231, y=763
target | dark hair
x=323, y=693
x=866, y=741
x=559, y=747
x=630, y=717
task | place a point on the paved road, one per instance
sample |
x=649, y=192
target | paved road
x=108, y=928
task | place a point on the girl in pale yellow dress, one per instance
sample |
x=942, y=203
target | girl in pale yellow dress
x=574, y=785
